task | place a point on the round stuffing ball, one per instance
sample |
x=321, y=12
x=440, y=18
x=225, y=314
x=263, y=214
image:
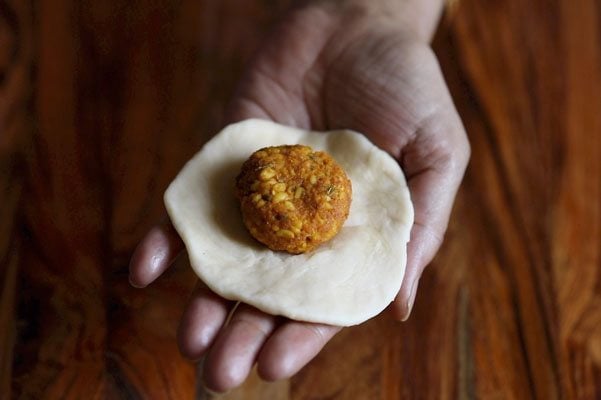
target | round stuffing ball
x=292, y=198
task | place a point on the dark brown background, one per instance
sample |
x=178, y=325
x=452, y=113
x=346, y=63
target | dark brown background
x=102, y=102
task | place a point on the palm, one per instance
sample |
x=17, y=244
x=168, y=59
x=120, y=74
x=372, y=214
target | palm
x=379, y=82
x=374, y=81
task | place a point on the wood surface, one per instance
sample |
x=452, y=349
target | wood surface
x=101, y=103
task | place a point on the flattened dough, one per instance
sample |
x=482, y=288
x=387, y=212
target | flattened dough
x=345, y=281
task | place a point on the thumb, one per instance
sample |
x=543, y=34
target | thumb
x=434, y=163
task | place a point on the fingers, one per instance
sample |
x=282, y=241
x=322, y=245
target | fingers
x=250, y=336
x=154, y=254
x=291, y=347
x=434, y=165
x=202, y=320
x=235, y=350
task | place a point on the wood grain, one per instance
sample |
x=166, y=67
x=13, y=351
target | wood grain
x=15, y=132
x=101, y=103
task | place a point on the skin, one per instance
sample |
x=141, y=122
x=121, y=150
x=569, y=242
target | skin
x=358, y=64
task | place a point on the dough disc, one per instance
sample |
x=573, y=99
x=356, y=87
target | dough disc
x=345, y=281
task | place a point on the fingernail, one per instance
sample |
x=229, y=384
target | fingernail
x=133, y=284
x=411, y=300
x=202, y=389
x=210, y=392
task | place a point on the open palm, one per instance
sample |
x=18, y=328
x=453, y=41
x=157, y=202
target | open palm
x=320, y=70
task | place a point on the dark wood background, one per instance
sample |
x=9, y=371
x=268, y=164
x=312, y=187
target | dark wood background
x=101, y=102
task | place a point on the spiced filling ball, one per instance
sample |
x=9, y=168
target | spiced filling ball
x=292, y=198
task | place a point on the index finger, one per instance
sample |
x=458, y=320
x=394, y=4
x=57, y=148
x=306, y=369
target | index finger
x=154, y=255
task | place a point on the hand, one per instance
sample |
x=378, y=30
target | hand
x=327, y=67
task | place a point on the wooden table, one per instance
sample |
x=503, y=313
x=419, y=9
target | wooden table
x=102, y=102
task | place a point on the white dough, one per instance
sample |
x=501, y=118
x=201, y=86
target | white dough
x=343, y=282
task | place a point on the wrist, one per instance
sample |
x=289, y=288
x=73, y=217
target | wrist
x=416, y=18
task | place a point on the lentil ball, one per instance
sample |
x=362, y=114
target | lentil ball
x=292, y=198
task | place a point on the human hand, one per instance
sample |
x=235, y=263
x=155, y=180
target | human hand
x=328, y=65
